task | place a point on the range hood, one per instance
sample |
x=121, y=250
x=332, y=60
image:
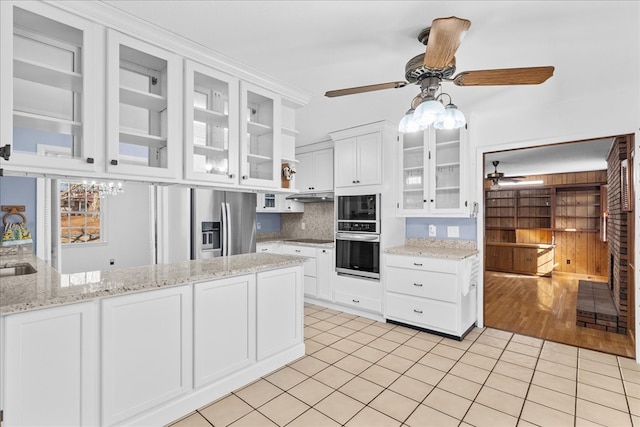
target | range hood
x=311, y=197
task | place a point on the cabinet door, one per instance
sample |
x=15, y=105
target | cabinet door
x=504, y=258
x=224, y=327
x=525, y=260
x=369, y=160
x=305, y=172
x=346, y=162
x=211, y=102
x=413, y=182
x=50, y=89
x=146, y=351
x=144, y=111
x=51, y=367
x=260, y=132
x=279, y=310
x=447, y=172
x=323, y=170
x=324, y=274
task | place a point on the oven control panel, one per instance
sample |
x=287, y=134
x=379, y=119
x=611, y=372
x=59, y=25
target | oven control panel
x=358, y=227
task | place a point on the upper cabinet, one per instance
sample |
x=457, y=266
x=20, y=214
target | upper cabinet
x=433, y=165
x=260, y=130
x=47, y=81
x=211, y=102
x=82, y=99
x=143, y=112
x=359, y=160
x=315, y=171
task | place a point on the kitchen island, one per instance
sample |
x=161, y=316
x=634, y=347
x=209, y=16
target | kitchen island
x=143, y=345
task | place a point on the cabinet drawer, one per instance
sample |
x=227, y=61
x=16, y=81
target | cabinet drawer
x=360, y=302
x=423, y=263
x=425, y=284
x=422, y=312
x=307, y=251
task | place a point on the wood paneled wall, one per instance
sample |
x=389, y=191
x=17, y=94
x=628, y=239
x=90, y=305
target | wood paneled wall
x=581, y=252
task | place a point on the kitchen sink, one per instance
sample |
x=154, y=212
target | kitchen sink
x=17, y=269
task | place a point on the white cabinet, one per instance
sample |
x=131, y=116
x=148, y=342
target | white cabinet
x=273, y=247
x=315, y=171
x=357, y=293
x=358, y=160
x=277, y=203
x=310, y=268
x=279, y=319
x=260, y=122
x=224, y=327
x=324, y=273
x=50, y=366
x=143, y=108
x=49, y=91
x=212, y=108
x=146, y=351
x=432, y=293
x=433, y=173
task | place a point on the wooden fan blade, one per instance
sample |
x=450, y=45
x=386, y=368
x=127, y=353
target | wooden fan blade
x=368, y=88
x=505, y=76
x=444, y=39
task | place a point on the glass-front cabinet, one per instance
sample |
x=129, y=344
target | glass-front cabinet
x=260, y=130
x=211, y=124
x=47, y=101
x=143, y=112
x=432, y=173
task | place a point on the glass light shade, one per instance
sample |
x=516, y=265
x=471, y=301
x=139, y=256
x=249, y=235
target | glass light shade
x=408, y=123
x=428, y=111
x=451, y=119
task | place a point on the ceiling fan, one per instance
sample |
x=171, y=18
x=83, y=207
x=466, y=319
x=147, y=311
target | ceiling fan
x=438, y=64
x=497, y=177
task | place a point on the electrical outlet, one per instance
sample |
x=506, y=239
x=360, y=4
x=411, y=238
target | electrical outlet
x=258, y=226
x=453, y=231
x=568, y=261
x=303, y=225
x=112, y=261
x=432, y=230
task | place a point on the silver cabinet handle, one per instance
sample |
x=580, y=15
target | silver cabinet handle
x=417, y=264
x=418, y=284
x=356, y=301
x=417, y=311
x=298, y=250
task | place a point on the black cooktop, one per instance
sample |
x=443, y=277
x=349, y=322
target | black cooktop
x=317, y=241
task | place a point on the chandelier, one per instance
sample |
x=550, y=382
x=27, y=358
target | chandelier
x=427, y=109
x=103, y=188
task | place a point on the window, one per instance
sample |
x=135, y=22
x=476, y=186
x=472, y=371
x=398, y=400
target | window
x=80, y=213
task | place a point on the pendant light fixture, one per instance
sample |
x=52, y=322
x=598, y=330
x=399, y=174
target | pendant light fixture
x=428, y=110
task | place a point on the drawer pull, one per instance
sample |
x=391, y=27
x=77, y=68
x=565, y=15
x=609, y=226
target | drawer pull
x=264, y=249
x=417, y=311
x=417, y=264
x=298, y=250
x=357, y=301
x=418, y=284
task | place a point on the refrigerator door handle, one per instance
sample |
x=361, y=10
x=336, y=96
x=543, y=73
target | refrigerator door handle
x=225, y=231
x=227, y=227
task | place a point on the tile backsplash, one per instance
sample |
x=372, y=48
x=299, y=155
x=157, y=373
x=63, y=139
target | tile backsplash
x=317, y=219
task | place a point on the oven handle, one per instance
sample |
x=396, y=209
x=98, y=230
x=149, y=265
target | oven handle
x=358, y=237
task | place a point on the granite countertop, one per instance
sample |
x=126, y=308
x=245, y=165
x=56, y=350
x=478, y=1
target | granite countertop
x=48, y=288
x=451, y=249
x=318, y=243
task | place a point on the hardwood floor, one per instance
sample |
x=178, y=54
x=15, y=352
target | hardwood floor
x=545, y=307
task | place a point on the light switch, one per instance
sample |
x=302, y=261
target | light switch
x=453, y=231
x=432, y=230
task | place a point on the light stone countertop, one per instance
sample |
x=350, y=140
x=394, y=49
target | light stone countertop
x=296, y=242
x=48, y=288
x=435, y=248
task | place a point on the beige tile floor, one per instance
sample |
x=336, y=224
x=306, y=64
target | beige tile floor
x=359, y=372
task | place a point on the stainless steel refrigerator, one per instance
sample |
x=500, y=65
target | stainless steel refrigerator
x=222, y=223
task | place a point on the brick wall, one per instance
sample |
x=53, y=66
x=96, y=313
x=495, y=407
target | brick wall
x=617, y=233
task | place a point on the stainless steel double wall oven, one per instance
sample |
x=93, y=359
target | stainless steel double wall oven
x=358, y=235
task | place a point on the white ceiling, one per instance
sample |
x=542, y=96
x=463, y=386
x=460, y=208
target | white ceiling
x=321, y=45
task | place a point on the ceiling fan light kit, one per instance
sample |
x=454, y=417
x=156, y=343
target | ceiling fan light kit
x=438, y=64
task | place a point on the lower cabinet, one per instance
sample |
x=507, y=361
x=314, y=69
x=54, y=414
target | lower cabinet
x=523, y=258
x=310, y=282
x=147, y=358
x=50, y=367
x=361, y=294
x=432, y=293
x=146, y=351
x=324, y=275
x=224, y=323
x=279, y=305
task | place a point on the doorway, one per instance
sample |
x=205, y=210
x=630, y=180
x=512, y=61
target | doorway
x=544, y=242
